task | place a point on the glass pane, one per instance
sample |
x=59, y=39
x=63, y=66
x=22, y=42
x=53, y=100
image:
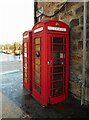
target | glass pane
x=25, y=59
x=37, y=41
x=57, y=84
x=37, y=75
x=25, y=75
x=37, y=88
x=57, y=62
x=57, y=47
x=57, y=40
x=25, y=50
x=57, y=69
x=37, y=68
x=37, y=48
x=25, y=70
x=56, y=55
x=25, y=79
x=57, y=91
x=37, y=81
x=25, y=65
x=37, y=61
x=25, y=44
x=57, y=77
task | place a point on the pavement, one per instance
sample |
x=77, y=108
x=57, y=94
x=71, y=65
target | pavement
x=19, y=103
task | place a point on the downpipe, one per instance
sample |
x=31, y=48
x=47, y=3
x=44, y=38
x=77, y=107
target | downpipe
x=84, y=57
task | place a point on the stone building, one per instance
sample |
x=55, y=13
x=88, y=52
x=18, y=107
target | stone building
x=72, y=14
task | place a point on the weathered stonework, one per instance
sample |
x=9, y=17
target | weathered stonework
x=72, y=14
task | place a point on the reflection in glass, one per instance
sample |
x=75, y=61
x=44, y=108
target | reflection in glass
x=57, y=84
x=57, y=62
x=58, y=69
x=57, y=40
x=57, y=91
x=57, y=47
x=57, y=77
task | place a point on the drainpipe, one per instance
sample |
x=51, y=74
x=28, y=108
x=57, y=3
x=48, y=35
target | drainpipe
x=35, y=7
x=84, y=57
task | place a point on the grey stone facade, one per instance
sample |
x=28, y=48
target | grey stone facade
x=72, y=14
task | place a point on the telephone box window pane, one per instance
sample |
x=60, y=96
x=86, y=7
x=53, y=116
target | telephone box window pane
x=25, y=44
x=25, y=79
x=58, y=62
x=57, y=47
x=57, y=84
x=37, y=81
x=57, y=40
x=58, y=69
x=57, y=91
x=25, y=59
x=25, y=75
x=37, y=61
x=37, y=75
x=37, y=41
x=58, y=77
x=25, y=70
x=25, y=50
x=37, y=68
x=56, y=55
x=25, y=64
x=37, y=48
x=37, y=88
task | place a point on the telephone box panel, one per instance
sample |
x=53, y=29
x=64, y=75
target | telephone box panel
x=50, y=62
x=27, y=59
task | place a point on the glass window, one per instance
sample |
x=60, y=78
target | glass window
x=57, y=91
x=37, y=68
x=58, y=69
x=58, y=62
x=57, y=77
x=25, y=79
x=37, y=49
x=37, y=41
x=57, y=84
x=25, y=44
x=57, y=47
x=37, y=61
x=57, y=40
x=25, y=50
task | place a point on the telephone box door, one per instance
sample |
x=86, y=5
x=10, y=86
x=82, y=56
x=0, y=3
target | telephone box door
x=27, y=62
x=58, y=78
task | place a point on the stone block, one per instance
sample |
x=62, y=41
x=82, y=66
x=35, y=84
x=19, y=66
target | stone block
x=80, y=45
x=87, y=94
x=81, y=20
x=74, y=22
x=79, y=10
x=75, y=35
x=72, y=87
x=87, y=34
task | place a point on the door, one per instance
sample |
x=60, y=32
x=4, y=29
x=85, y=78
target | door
x=57, y=68
x=26, y=68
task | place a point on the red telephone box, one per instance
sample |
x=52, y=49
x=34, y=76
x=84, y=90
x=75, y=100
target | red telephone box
x=27, y=59
x=50, y=61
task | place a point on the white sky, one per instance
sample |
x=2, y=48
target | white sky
x=16, y=16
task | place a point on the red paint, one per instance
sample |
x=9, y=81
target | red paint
x=27, y=59
x=50, y=64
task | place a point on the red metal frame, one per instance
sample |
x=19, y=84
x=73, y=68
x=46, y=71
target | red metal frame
x=50, y=32
x=27, y=60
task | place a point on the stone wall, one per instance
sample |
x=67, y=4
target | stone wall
x=72, y=14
